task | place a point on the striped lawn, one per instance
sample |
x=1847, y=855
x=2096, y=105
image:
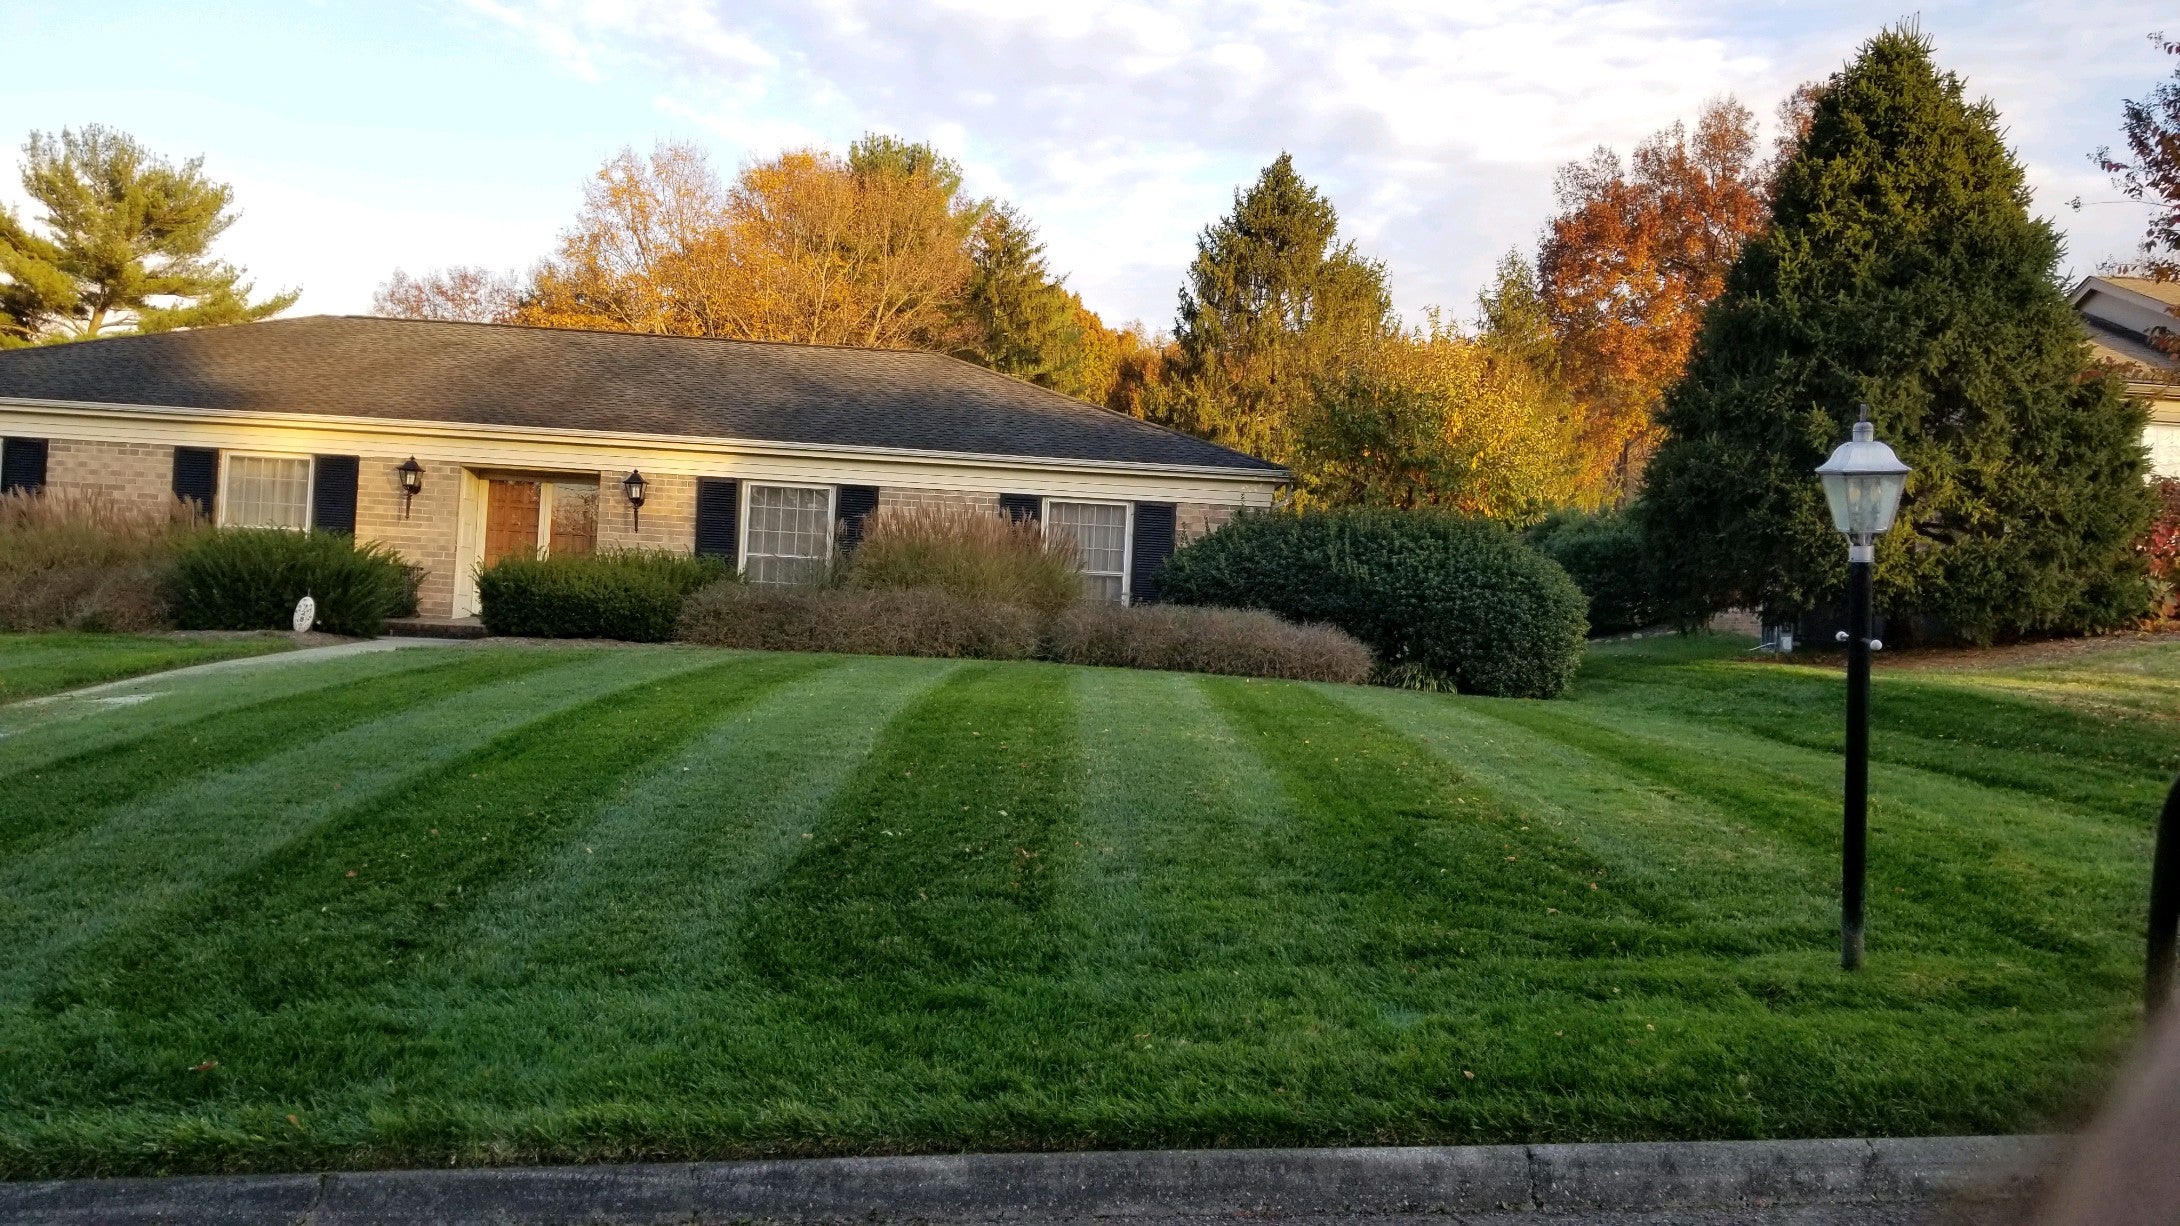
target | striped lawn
x=535, y=904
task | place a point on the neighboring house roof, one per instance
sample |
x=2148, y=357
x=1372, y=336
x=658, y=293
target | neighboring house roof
x=2123, y=315
x=2167, y=292
x=554, y=378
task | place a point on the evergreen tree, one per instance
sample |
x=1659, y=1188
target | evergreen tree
x=1020, y=321
x=1513, y=319
x=125, y=244
x=1274, y=302
x=1902, y=269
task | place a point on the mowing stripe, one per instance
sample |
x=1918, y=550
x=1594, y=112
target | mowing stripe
x=386, y=882
x=1190, y=849
x=938, y=861
x=1946, y=876
x=142, y=857
x=39, y=734
x=1421, y=860
x=649, y=896
x=1710, y=879
x=2103, y=761
x=75, y=792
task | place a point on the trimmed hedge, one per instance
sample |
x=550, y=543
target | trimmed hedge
x=1430, y=593
x=250, y=579
x=633, y=595
x=890, y=621
x=1606, y=557
x=1178, y=638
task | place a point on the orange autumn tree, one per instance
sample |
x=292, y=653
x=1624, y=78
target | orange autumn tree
x=868, y=249
x=1626, y=268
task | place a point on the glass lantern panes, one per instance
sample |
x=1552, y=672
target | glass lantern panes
x=267, y=492
x=790, y=534
x=1098, y=532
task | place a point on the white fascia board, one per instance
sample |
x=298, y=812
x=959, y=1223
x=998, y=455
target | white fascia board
x=520, y=447
x=2098, y=285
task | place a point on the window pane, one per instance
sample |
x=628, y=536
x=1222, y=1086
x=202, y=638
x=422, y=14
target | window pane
x=790, y=534
x=1099, y=534
x=267, y=492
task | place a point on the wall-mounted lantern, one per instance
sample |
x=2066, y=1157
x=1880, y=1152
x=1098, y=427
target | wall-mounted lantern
x=632, y=485
x=412, y=482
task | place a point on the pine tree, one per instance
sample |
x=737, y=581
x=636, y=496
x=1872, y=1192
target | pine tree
x=1274, y=301
x=1020, y=321
x=1902, y=269
x=125, y=244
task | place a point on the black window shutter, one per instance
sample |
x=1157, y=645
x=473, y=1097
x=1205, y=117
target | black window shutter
x=850, y=504
x=333, y=493
x=1019, y=507
x=718, y=510
x=1147, y=554
x=197, y=476
x=22, y=464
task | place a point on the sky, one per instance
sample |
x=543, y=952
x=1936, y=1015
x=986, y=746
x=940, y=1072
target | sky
x=361, y=137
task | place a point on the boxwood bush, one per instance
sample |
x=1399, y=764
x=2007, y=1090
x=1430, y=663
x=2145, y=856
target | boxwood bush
x=1435, y=596
x=1605, y=555
x=250, y=579
x=635, y=595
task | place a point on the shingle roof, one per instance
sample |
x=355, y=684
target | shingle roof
x=2167, y=292
x=482, y=374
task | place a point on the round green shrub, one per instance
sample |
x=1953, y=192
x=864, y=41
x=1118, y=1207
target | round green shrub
x=250, y=579
x=1429, y=592
x=1605, y=555
x=632, y=595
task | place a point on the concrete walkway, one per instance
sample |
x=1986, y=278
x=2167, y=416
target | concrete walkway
x=1717, y=1183
x=303, y=655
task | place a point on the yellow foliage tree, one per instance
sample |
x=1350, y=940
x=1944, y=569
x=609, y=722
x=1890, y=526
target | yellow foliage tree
x=1437, y=418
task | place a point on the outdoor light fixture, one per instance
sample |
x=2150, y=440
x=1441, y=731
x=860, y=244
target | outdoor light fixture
x=1862, y=482
x=412, y=482
x=632, y=484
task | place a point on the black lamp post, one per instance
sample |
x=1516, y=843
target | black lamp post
x=412, y=482
x=632, y=485
x=1862, y=482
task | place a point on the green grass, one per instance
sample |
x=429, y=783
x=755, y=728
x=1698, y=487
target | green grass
x=538, y=904
x=48, y=663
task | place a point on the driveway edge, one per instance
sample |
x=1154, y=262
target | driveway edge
x=1373, y=1182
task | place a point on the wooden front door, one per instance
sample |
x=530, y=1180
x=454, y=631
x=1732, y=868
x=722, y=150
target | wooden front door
x=510, y=520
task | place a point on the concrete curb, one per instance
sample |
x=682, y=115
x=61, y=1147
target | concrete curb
x=1552, y=1180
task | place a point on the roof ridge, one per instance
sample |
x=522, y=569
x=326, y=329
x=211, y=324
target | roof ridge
x=1072, y=401
x=515, y=374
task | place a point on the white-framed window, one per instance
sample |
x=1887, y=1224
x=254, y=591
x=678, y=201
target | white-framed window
x=264, y=491
x=787, y=533
x=1099, y=533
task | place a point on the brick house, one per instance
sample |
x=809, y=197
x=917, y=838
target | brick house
x=2132, y=322
x=538, y=439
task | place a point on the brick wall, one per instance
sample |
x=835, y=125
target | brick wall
x=427, y=537
x=134, y=475
x=669, y=513
x=1195, y=519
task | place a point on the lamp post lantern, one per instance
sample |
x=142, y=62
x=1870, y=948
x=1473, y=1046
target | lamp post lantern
x=1862, y=482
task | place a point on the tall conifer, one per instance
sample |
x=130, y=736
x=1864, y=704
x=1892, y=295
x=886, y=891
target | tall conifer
x=125, y=244
x=1274, y=300
x=1902, y=269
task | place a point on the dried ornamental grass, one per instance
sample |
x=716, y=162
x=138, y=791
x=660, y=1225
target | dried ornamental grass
x=860, y=621
x=78, y=559
x=1237, y=642
x=968, y=551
